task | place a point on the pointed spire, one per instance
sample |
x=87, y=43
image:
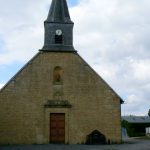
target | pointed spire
x=58, y=28
x=59, y=12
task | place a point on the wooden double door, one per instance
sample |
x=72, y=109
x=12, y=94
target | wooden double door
x=57, y=128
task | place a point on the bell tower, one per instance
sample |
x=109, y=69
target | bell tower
x=58, y=28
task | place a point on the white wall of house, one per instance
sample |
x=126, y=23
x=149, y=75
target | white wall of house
x=148, y=131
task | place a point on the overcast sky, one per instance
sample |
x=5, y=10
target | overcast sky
x=113, y=36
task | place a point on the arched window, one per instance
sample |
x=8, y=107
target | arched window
x=57, y=75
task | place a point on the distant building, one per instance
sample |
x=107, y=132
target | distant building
x=57, y=97
x=148, y=131
x=135, y=125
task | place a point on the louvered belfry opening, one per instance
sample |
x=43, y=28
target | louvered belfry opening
x=58, y=39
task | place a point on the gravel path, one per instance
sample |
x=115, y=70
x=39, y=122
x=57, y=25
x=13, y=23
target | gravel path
x=129, y=144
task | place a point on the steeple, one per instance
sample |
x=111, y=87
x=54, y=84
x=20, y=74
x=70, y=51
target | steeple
x=58, y=28
x=59, y=12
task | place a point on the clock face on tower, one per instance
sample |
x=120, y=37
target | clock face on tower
x=58, y=32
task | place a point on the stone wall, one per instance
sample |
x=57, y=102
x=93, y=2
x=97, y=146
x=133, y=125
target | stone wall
x=24, y=119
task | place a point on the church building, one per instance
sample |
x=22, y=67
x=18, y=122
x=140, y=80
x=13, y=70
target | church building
x=57, y=97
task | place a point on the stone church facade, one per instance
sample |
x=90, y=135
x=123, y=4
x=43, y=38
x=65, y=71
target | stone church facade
x=57, y=97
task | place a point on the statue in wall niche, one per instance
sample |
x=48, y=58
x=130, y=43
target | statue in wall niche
x=57, y=75
x=57, y=82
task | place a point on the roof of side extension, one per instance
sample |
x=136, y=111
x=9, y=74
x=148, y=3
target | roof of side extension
x=136, y=119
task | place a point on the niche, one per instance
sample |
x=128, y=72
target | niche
x=96, y=138
x=57, y=75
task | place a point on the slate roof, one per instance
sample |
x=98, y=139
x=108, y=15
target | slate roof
x=59, y=12
x=136, y=119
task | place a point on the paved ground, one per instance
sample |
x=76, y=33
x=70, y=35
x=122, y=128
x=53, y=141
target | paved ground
x=130, y=144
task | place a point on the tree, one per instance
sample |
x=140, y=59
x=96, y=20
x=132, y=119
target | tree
x=149, y=113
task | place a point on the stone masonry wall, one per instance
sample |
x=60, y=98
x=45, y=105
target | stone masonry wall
x=25, y=120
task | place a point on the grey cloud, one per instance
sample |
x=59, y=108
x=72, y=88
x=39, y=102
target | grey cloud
x=112, y=36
